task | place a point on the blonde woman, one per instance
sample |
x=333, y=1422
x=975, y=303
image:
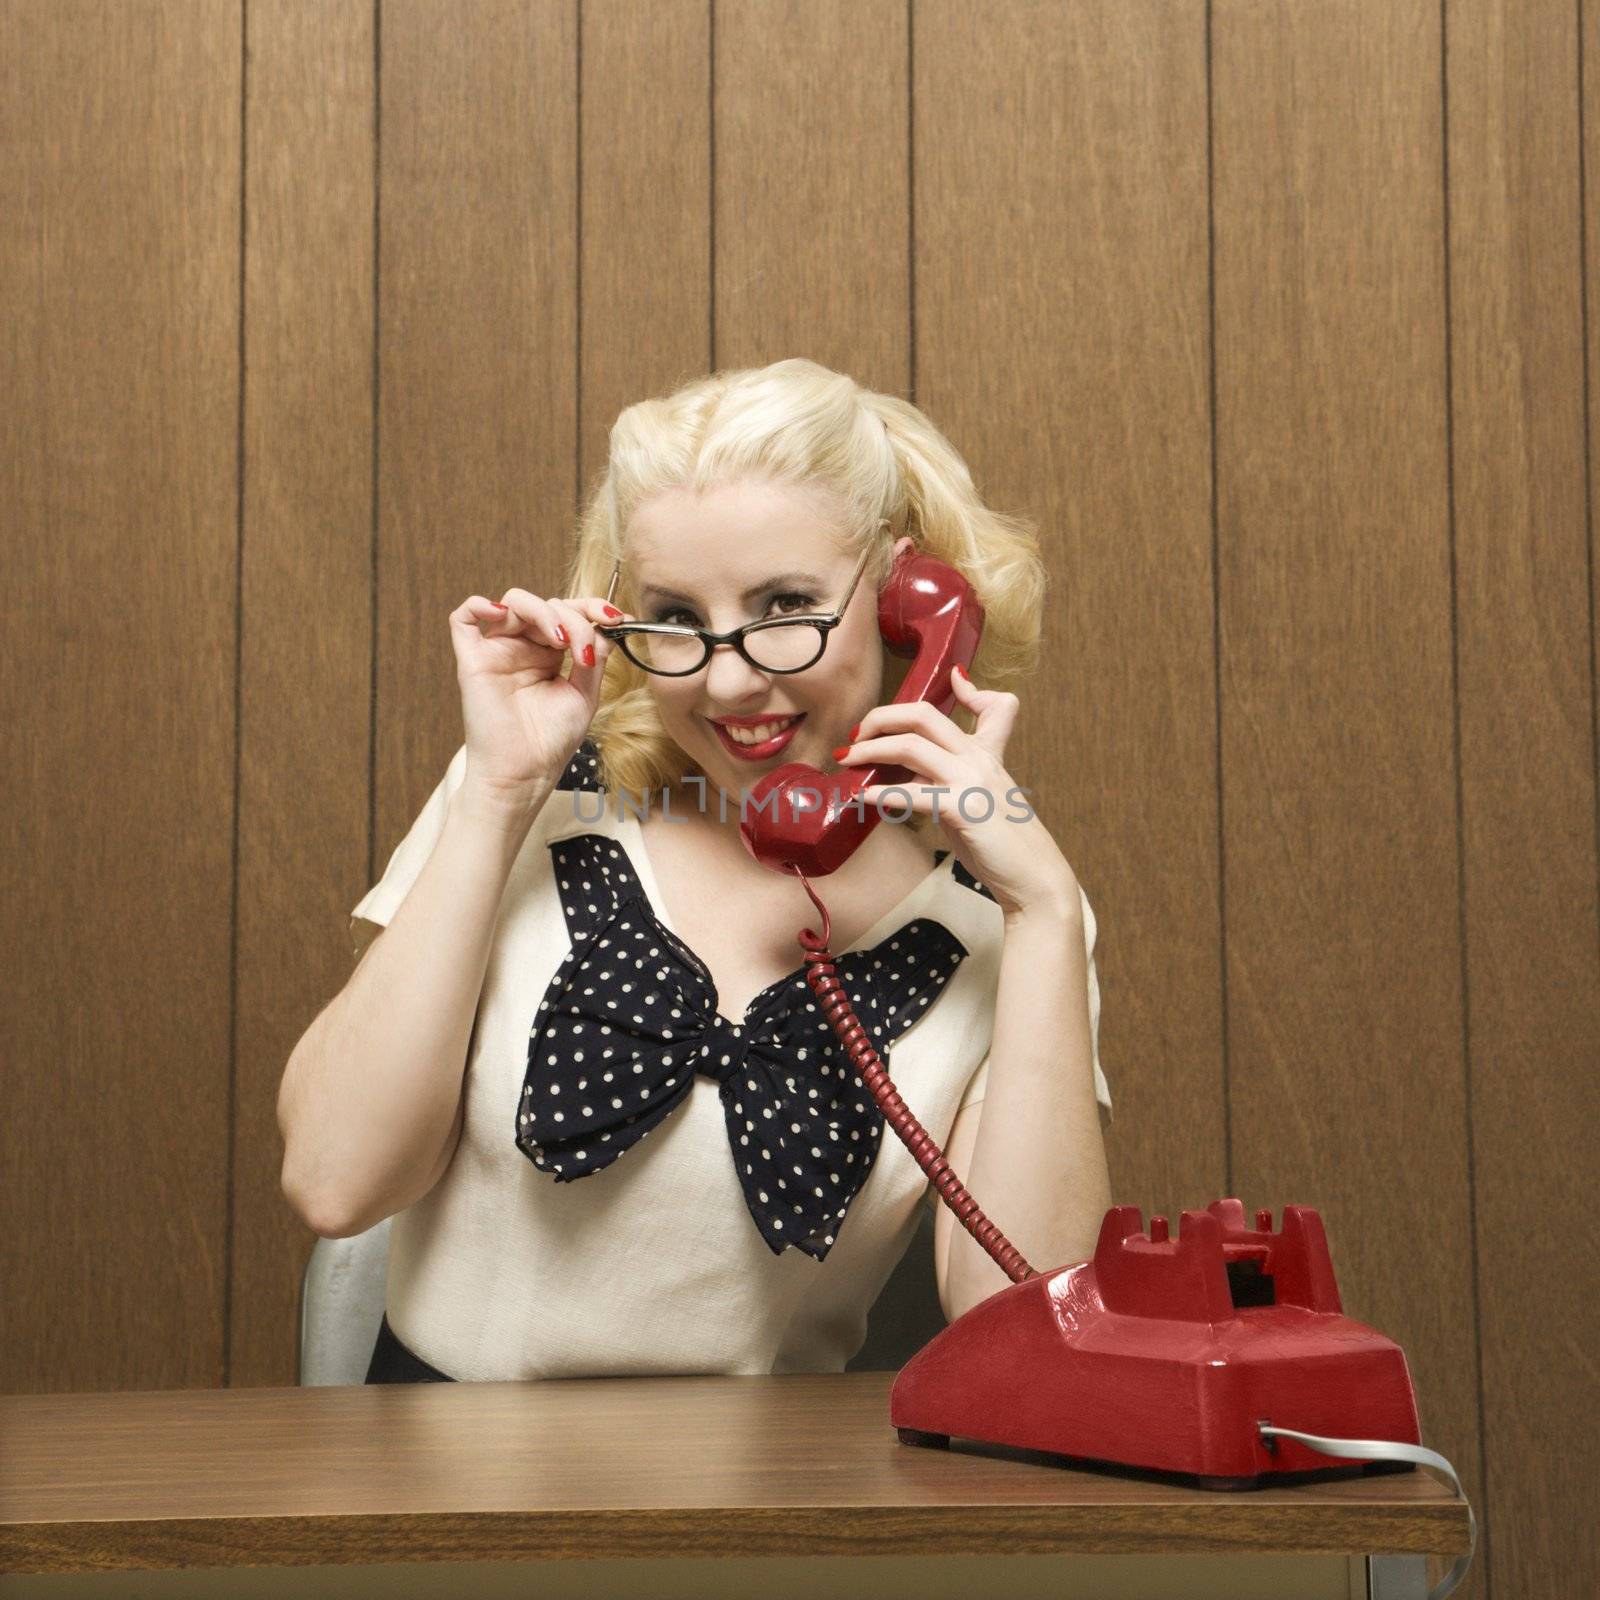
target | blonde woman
x=578, y=1061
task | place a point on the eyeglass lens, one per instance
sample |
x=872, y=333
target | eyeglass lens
x=783, y=647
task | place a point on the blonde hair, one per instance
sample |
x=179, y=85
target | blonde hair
x=796, y=423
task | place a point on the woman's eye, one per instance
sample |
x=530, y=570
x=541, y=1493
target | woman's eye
x=786, y=602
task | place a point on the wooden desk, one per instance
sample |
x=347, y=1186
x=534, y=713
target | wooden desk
x=777, y=1486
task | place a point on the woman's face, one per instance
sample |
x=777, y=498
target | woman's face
x=741, y=552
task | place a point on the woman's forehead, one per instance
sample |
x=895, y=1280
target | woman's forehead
x=731, y=558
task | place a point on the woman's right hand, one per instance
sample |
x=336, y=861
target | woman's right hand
x=523, y=720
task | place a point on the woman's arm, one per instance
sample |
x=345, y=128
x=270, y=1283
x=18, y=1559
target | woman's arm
x=371, y=1099
x=1038, y=1165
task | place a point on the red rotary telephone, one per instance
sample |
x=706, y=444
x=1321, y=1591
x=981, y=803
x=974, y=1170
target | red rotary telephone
x=1170, y=1355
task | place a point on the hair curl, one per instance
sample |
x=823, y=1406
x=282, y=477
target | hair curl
x=797, y=423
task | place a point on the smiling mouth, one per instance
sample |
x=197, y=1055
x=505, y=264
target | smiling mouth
x=760, y=732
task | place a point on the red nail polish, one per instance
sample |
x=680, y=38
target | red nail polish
x=854, y=731
x=588, y=655
x=963, y=671
x=841, y=752
x=561, y=634
x=496, y=604
x=611, y=611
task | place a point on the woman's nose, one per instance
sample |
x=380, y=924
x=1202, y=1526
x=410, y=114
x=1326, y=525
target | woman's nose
x=729, y=677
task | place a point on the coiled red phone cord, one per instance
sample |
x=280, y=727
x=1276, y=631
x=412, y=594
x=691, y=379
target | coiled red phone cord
x=836, y=1007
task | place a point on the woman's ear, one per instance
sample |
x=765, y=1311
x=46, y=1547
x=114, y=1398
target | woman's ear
x=902, y=544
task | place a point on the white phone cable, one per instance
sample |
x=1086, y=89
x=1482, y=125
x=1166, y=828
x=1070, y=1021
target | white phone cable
x=1394, y=1450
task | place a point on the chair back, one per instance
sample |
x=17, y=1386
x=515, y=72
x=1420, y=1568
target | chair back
x=341, y=1306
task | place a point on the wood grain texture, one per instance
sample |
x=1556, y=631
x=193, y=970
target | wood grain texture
x=306, y=577
x=477, y=412
x=1345, y=1005
x=607, y=1467
x=119, y=183
x=1527, y=772
x=1063, y=343
x=645, y=259
x=812, y=187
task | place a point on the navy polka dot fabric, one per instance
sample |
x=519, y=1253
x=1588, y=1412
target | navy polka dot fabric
x=583, y=770
x=630, y=1020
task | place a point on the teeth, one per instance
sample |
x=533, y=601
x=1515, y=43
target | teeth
x=757, y=734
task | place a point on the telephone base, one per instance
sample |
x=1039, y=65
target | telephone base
x=1168, y=1356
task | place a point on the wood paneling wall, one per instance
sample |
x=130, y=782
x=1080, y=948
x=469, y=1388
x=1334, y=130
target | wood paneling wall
x=1277, y=317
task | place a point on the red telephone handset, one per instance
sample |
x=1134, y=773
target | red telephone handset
x=797, y=818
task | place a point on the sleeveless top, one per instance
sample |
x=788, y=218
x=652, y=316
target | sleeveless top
x=718, y=1196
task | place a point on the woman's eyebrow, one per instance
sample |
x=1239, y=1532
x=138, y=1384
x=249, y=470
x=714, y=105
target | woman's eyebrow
x=784, y=580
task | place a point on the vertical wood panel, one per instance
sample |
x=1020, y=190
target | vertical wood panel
x=645, y=271
x=305, y=697
x=1338, y=761
x=119, y=183
x=1528, y=783
x=477, y=361
x=1062, y=340
x=811, y=186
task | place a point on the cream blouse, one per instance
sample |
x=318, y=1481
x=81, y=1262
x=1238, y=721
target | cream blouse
x=654, y=1264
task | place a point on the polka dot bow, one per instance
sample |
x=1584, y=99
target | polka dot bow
x=630, y=1019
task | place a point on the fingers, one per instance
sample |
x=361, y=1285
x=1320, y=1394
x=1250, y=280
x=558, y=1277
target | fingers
x=910, y=750
x=994, y=713
x=535, y=617
x=902, y=799
x=558, y=625
x=994, y=710
x=591, y=649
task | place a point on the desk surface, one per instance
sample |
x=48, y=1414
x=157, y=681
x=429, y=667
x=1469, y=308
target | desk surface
x=622, y=1467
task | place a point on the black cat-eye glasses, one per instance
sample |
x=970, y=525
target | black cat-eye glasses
x=772, y=644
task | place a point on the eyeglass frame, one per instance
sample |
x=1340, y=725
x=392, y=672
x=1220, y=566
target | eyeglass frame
x=824, y=622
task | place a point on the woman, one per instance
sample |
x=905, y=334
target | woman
x=582, y=1067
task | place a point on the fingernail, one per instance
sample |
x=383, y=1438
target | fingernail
x=841, y=752
x=963, y=671
x=588, y=655
x=611, y=611
x=854, y=731
x=496, y=604
x=561, y=634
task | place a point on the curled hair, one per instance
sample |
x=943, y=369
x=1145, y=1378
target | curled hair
x=798, y=424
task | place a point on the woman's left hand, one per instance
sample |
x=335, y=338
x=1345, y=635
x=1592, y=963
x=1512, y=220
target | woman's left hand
x=1007, y=849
